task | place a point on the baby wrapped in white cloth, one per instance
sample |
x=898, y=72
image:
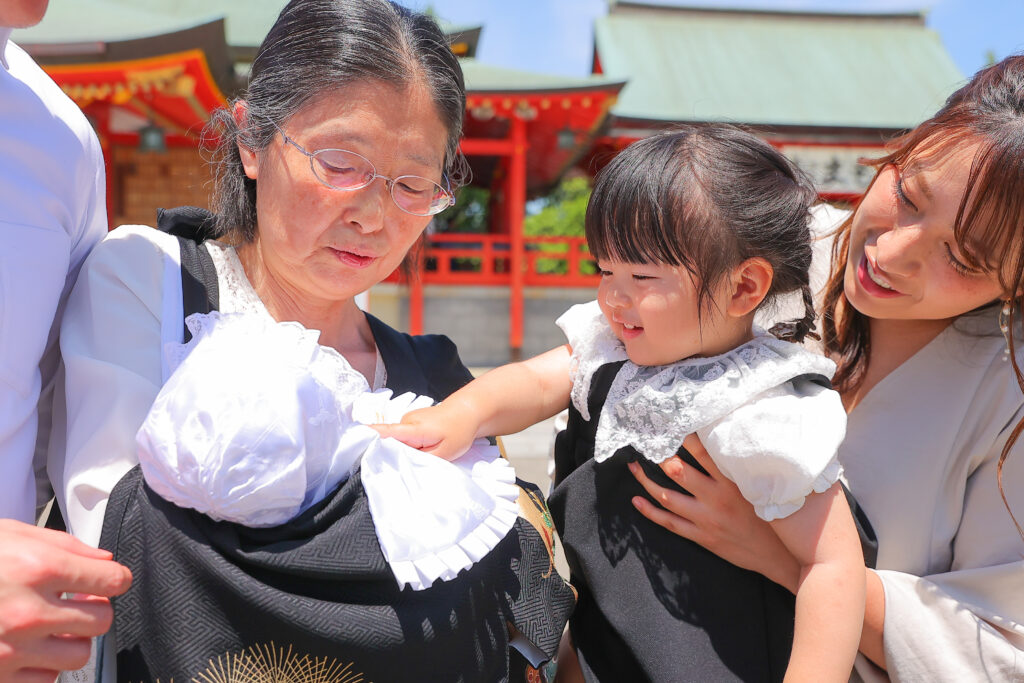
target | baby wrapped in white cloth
x=258, y=422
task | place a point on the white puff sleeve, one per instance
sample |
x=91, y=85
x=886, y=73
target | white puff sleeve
x=781, y=446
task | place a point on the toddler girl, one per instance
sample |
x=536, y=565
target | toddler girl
x=693, y=231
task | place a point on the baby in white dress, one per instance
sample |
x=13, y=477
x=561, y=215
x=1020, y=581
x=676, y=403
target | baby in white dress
x=694, y=231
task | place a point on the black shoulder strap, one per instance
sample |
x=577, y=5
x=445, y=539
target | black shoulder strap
x=199, y=291
x=427, y=364
x=193, y=222
x=193, y=226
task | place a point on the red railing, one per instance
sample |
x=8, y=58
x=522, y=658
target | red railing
x=484, y=260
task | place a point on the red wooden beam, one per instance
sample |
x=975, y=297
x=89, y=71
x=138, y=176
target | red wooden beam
x=416, y=290
x=487, y=147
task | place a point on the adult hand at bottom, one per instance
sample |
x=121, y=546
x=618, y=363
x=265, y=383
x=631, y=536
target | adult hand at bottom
x=41, y=632
x=716, y=516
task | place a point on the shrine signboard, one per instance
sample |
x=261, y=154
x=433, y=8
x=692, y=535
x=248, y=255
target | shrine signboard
x=834, y=168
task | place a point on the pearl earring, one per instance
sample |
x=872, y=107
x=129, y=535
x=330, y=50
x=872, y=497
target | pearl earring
x=1004, y=325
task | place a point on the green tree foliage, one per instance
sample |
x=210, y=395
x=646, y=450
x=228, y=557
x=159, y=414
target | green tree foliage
x=470, y=213
x=560, y=214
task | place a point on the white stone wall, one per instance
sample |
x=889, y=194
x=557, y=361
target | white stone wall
x=476, y=318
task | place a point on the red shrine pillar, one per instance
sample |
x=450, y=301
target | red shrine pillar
x=416, y=275
x=516, y=204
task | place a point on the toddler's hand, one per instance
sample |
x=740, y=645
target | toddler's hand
x=436, y=430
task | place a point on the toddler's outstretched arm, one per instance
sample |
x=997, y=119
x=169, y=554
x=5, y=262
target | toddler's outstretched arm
x=831, y=590
x=505, y=400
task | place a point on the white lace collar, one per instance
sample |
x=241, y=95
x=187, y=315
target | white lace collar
x=239, y=296
x=653, y=408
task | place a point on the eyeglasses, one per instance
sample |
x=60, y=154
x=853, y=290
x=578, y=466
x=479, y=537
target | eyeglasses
x=340, y=169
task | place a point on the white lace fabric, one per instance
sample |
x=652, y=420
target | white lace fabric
x=593, y=345
x=768, y=429
x=258, y=422
x=237, y=293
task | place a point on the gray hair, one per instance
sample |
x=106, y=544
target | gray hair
x=317, y=46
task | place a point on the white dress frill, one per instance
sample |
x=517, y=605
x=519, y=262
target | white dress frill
x=768, y=427
x=258, y=422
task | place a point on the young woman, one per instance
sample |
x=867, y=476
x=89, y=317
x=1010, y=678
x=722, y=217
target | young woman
x=922, y=316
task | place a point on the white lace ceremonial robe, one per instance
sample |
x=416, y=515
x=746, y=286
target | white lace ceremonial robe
x=204, y=439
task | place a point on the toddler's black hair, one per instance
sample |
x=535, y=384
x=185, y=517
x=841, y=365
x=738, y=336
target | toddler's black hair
x=707, y=198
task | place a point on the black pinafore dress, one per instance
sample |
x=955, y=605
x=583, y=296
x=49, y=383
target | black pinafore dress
x=654, y=606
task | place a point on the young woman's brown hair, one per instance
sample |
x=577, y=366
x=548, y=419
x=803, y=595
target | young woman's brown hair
x=989, y=225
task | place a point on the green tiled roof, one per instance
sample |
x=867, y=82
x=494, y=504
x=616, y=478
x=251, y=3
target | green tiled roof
x=77, y=21
x=482, y=78
x=775, y=68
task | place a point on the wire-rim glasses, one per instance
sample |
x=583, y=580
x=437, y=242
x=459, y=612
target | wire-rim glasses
x=341, y=169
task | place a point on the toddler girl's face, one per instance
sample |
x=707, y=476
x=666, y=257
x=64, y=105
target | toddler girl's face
x=653, y=310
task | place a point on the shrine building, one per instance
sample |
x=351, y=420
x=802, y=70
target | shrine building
x=826, y=89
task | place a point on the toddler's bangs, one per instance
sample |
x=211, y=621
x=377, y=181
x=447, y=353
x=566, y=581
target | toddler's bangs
x=637, y=204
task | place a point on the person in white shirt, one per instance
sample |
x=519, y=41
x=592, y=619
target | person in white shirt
x=922, y=314
x=51, y=214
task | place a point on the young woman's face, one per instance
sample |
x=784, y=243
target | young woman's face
x=653, y=310
x=904, y=263
x=323, y=244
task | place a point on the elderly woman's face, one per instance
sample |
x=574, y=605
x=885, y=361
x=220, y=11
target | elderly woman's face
x=321, y=244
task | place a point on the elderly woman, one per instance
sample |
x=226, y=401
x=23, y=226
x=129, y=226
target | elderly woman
x=330, y=168
x=922, y=314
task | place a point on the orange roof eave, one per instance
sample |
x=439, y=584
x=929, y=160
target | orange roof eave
x=179, y=86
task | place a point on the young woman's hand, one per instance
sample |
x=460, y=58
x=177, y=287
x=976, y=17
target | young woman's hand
x=439, y=430
x=716, y=516
x=42, y=632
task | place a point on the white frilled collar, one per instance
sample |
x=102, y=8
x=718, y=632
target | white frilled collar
x=653, y=408
x=257, y=422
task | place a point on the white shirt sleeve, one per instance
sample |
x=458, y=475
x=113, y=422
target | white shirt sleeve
x=111, y=343
x=91, y=230
x=52, y=212
x=967, y=623
x=781, y=446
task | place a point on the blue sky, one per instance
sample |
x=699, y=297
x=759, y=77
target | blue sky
x=556, y=36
